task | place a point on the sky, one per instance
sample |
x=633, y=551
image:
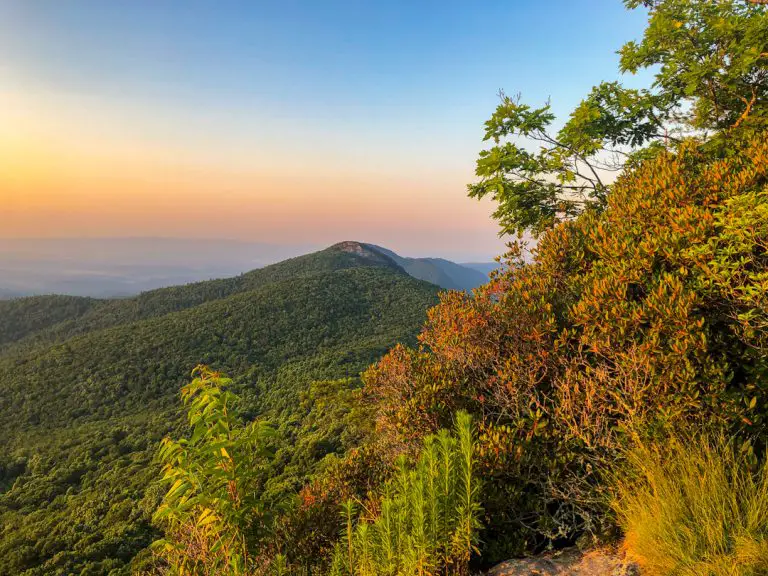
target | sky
x=300, y=122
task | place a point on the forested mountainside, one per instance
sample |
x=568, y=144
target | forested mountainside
x=37, y=319
x=24, y=317
x=90, y=387
x=59, y=317
x=109, y=268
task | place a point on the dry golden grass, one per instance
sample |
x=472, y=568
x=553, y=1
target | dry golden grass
x=694, y=508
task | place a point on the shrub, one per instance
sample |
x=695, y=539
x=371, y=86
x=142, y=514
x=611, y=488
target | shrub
x=650, y=314
x=212, y=512
x=427, y=517
x=695, y=508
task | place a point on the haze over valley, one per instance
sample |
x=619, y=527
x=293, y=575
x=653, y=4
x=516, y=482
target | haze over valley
x=120, y=267
x=116, y=267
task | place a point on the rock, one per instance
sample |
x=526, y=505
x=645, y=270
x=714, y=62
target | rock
x=570, y=562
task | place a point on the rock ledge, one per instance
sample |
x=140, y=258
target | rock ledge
x=570, y=562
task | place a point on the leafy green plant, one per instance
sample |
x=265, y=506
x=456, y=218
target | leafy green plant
x=212, y=511
x=695, y=507
x=428, y=514
x=708, y=60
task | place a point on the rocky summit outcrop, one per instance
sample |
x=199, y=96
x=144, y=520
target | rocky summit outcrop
x=570, y=562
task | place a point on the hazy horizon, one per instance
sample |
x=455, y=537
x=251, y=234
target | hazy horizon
x=10, y=244
x=118, y=267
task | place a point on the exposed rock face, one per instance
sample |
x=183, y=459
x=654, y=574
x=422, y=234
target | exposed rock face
x=571, y=562
x=355, y=248
x=363, y=251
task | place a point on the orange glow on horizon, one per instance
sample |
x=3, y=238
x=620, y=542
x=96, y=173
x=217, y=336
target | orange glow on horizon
x=61, y=176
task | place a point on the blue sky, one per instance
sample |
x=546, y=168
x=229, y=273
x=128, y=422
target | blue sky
x=292, y=103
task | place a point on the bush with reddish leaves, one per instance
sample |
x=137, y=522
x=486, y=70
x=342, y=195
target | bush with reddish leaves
x=650, y=315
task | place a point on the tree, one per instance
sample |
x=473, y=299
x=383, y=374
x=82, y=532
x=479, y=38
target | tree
x=712, y=59
x=711, y=84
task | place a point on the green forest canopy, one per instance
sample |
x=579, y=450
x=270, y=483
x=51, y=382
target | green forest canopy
x=86, y=399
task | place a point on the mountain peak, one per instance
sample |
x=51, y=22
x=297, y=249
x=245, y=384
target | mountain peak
x=354, y=247
x=366, y=252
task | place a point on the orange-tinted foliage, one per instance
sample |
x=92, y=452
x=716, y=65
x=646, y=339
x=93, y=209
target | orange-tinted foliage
x=651, y=313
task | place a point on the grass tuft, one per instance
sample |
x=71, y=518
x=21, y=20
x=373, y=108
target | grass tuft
x=694, y=508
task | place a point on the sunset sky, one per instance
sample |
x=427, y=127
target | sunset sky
x=286, y=121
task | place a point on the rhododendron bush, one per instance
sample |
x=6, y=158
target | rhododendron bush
x=649, y=315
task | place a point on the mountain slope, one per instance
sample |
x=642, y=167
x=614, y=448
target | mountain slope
x=443, y=273
x=154, y=303
x=24, y=317
x=83, y=407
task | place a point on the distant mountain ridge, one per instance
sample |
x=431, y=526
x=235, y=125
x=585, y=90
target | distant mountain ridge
x=38, y=319
x=123, y=268
x=483, y=267
x=443, y=273
x=53, y=318
x=8, y=294
x=112, y=267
